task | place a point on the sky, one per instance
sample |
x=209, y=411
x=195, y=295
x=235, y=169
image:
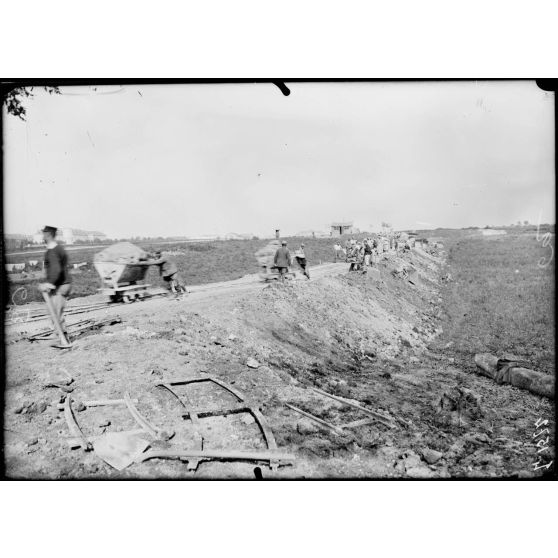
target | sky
x=188, y=160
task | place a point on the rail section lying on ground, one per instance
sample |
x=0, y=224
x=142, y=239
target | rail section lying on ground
x=193, y=457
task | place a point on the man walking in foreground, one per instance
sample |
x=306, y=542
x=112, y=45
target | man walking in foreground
x=58, y=284
x=282, y=260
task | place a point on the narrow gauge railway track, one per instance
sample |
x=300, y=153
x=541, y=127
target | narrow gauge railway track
x=19, y=315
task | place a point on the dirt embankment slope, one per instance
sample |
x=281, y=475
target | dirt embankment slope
x=361, y=337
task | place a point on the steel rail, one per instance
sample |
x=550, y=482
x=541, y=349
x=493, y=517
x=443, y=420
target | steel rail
x=142, y=421
x=215, y=454
x=73, y=426
x=380, y=418
x=243, y=407
x=336, y=429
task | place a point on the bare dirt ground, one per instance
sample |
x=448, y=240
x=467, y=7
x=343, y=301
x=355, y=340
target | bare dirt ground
x=373, y=339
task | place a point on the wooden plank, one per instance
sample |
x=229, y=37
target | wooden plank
x=315, y=419
x=357, y=423
x=100, y=403
x=384, y=420
x=216, y=454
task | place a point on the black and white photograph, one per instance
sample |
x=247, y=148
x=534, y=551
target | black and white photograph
x=279, y=280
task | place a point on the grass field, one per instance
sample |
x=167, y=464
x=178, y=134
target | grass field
x=501, y=299
x=198, y=263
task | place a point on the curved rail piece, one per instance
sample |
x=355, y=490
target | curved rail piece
x=266, y=431
x=260, y=420
x=147, y=426
x=196, y=456
x=73, y=426
x=267, y=435
x=185, y=402
x=225, y=386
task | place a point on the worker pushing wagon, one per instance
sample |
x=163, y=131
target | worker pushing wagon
x=169, y=272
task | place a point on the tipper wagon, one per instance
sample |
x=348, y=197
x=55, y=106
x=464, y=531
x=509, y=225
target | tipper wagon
x=122, y=268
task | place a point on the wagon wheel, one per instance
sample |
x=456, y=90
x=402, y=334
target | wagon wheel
x=19, y=296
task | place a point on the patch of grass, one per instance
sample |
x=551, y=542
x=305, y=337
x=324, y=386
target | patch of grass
x=501, y=299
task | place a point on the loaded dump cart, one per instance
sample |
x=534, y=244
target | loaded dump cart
x=122, y=268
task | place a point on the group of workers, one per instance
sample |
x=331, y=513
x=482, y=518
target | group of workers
x=360, y=254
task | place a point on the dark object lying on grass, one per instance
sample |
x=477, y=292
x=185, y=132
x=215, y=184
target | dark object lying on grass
x=506, y=371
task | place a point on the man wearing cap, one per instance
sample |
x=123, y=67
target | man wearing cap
x=58, y=280
x=301, y=260
x=169, y=272
x=282, y=260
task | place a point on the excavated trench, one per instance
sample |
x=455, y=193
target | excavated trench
x=369, y=339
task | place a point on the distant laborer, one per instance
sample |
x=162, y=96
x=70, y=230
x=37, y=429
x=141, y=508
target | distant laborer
x=354, y=257
x=347, y=249
x=338, y=251
x=301, y=260
x=282, y=260
x=367, y=253
x=375, y=250
x=58, y=280
x=169, y=272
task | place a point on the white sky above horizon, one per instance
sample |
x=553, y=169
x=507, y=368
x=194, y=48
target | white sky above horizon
x=187, y=160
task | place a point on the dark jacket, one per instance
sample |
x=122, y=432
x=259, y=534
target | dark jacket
x=282, y=257
x=56, y=266
x=166, y=267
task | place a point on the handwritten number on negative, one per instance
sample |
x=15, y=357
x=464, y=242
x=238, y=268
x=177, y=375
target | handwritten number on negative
x=537, y=434
x=542, y=466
